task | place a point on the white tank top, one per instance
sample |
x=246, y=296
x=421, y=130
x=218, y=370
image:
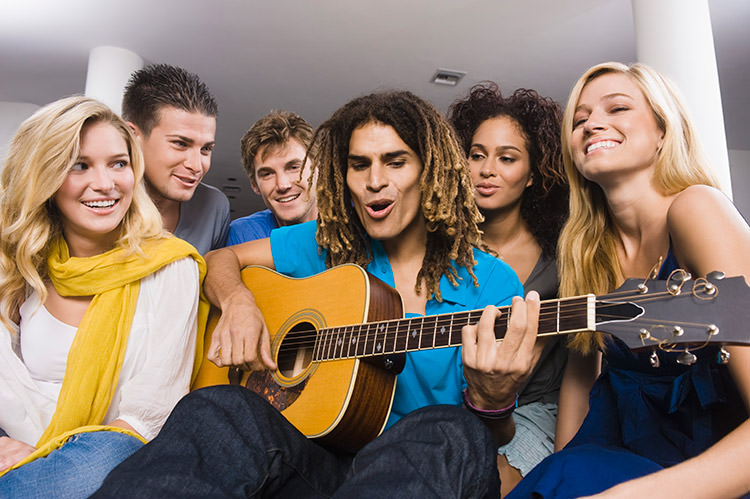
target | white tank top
x=45, y=342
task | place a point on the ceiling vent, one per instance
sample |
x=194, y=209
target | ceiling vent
x=447, y=77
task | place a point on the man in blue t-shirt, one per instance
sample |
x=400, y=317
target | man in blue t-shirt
x=399, y=202
x=273, y=154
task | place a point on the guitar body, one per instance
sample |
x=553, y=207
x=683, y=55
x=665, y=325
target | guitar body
x=343, y=403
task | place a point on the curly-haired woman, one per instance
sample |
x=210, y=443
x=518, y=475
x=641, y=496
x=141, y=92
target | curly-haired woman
x=513, y=147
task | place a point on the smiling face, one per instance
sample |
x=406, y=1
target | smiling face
x=615, y=133
x=97, y=192
x=499, y=163
x=277, y=180
x=383, y=178
x=177, y=153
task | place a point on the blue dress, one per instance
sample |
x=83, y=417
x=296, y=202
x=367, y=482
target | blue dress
x=640, y=420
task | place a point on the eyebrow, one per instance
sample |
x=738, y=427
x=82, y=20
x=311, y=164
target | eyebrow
x=188, y=140
x=385, y=157
x=123, y=155
x=499, y=148
x=607, y=97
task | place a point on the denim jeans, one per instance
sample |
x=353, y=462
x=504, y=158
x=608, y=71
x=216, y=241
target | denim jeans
x=228, y=442
x=74, y=470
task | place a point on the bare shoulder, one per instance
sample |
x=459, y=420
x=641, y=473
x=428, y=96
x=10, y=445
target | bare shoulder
x=707, y=231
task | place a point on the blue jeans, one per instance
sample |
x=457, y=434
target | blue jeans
x=74, y=470
x=226, y=441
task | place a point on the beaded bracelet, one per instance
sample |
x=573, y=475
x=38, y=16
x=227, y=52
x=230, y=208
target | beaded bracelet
x=490, y=413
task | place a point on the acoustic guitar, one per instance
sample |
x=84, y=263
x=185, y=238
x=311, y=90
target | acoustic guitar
x=326, y=330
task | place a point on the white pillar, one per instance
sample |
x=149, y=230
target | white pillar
x=108, y=72
x=675, y=38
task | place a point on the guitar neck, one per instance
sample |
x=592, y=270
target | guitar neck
x=563, y=316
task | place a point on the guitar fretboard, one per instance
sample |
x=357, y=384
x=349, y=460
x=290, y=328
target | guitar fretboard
x=439, y=331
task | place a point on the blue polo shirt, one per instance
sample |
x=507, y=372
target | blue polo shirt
x=429, y=377
x=256, y=226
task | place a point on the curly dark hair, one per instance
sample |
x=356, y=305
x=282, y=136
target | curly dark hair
x=544, y=204
x=447, y=192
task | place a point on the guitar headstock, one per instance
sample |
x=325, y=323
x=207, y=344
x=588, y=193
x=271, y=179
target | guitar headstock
x=677, y=314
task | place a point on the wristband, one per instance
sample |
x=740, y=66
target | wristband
x=490, y=413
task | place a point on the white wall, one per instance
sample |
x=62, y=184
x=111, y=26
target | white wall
x=12, y=114
x=739, y=165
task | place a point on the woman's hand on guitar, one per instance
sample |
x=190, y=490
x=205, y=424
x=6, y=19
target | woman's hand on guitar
x=496, y=370
x=241, y=337
x=12, y=451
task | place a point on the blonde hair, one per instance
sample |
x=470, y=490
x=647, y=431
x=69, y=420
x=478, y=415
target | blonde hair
x=42, y=152
x=587, y=249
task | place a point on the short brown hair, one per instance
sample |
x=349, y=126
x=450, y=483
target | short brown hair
x=273, y=130
x=160, y=85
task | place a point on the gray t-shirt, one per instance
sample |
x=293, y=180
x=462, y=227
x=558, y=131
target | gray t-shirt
x=204, y=220
x=544, y=383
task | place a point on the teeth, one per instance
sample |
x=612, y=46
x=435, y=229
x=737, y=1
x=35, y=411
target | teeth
x=288, y=198
x=100, y=204
x=606, y=144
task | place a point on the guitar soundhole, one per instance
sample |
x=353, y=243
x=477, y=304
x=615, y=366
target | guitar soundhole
x=296, y=351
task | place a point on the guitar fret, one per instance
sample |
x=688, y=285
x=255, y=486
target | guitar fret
x=362, y=341
x=338, y=343
x=413, y=336
x=572, y=321
x=389, y=342
x=424, y=339
x=402, y=331
x=442, y=336
x=319, y=340
x=549, y=318
x=343, y=342
x=331, y=343
x=450, y=332
x=460, y=319
x=377, y=347
x=434, y=330
x=351, y=349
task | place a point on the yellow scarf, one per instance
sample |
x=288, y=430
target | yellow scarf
x=96, y=355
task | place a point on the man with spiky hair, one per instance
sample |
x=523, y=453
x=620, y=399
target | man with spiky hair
x=394, y=196
x=173, y=115
x=274, y=152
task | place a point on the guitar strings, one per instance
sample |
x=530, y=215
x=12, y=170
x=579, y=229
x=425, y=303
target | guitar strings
x=567, y=309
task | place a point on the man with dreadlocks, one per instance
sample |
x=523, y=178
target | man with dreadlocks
x=394, y=196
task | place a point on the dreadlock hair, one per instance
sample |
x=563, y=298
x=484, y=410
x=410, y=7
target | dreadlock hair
x=160, y=85
x=544, y=204
x=447, y=200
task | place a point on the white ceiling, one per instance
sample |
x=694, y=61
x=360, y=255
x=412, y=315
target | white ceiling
x=311, y=56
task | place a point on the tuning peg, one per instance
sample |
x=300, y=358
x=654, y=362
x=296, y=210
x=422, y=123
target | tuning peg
x=716, y=275
x=653, y=359
x=722, y=357
x=687, y=358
